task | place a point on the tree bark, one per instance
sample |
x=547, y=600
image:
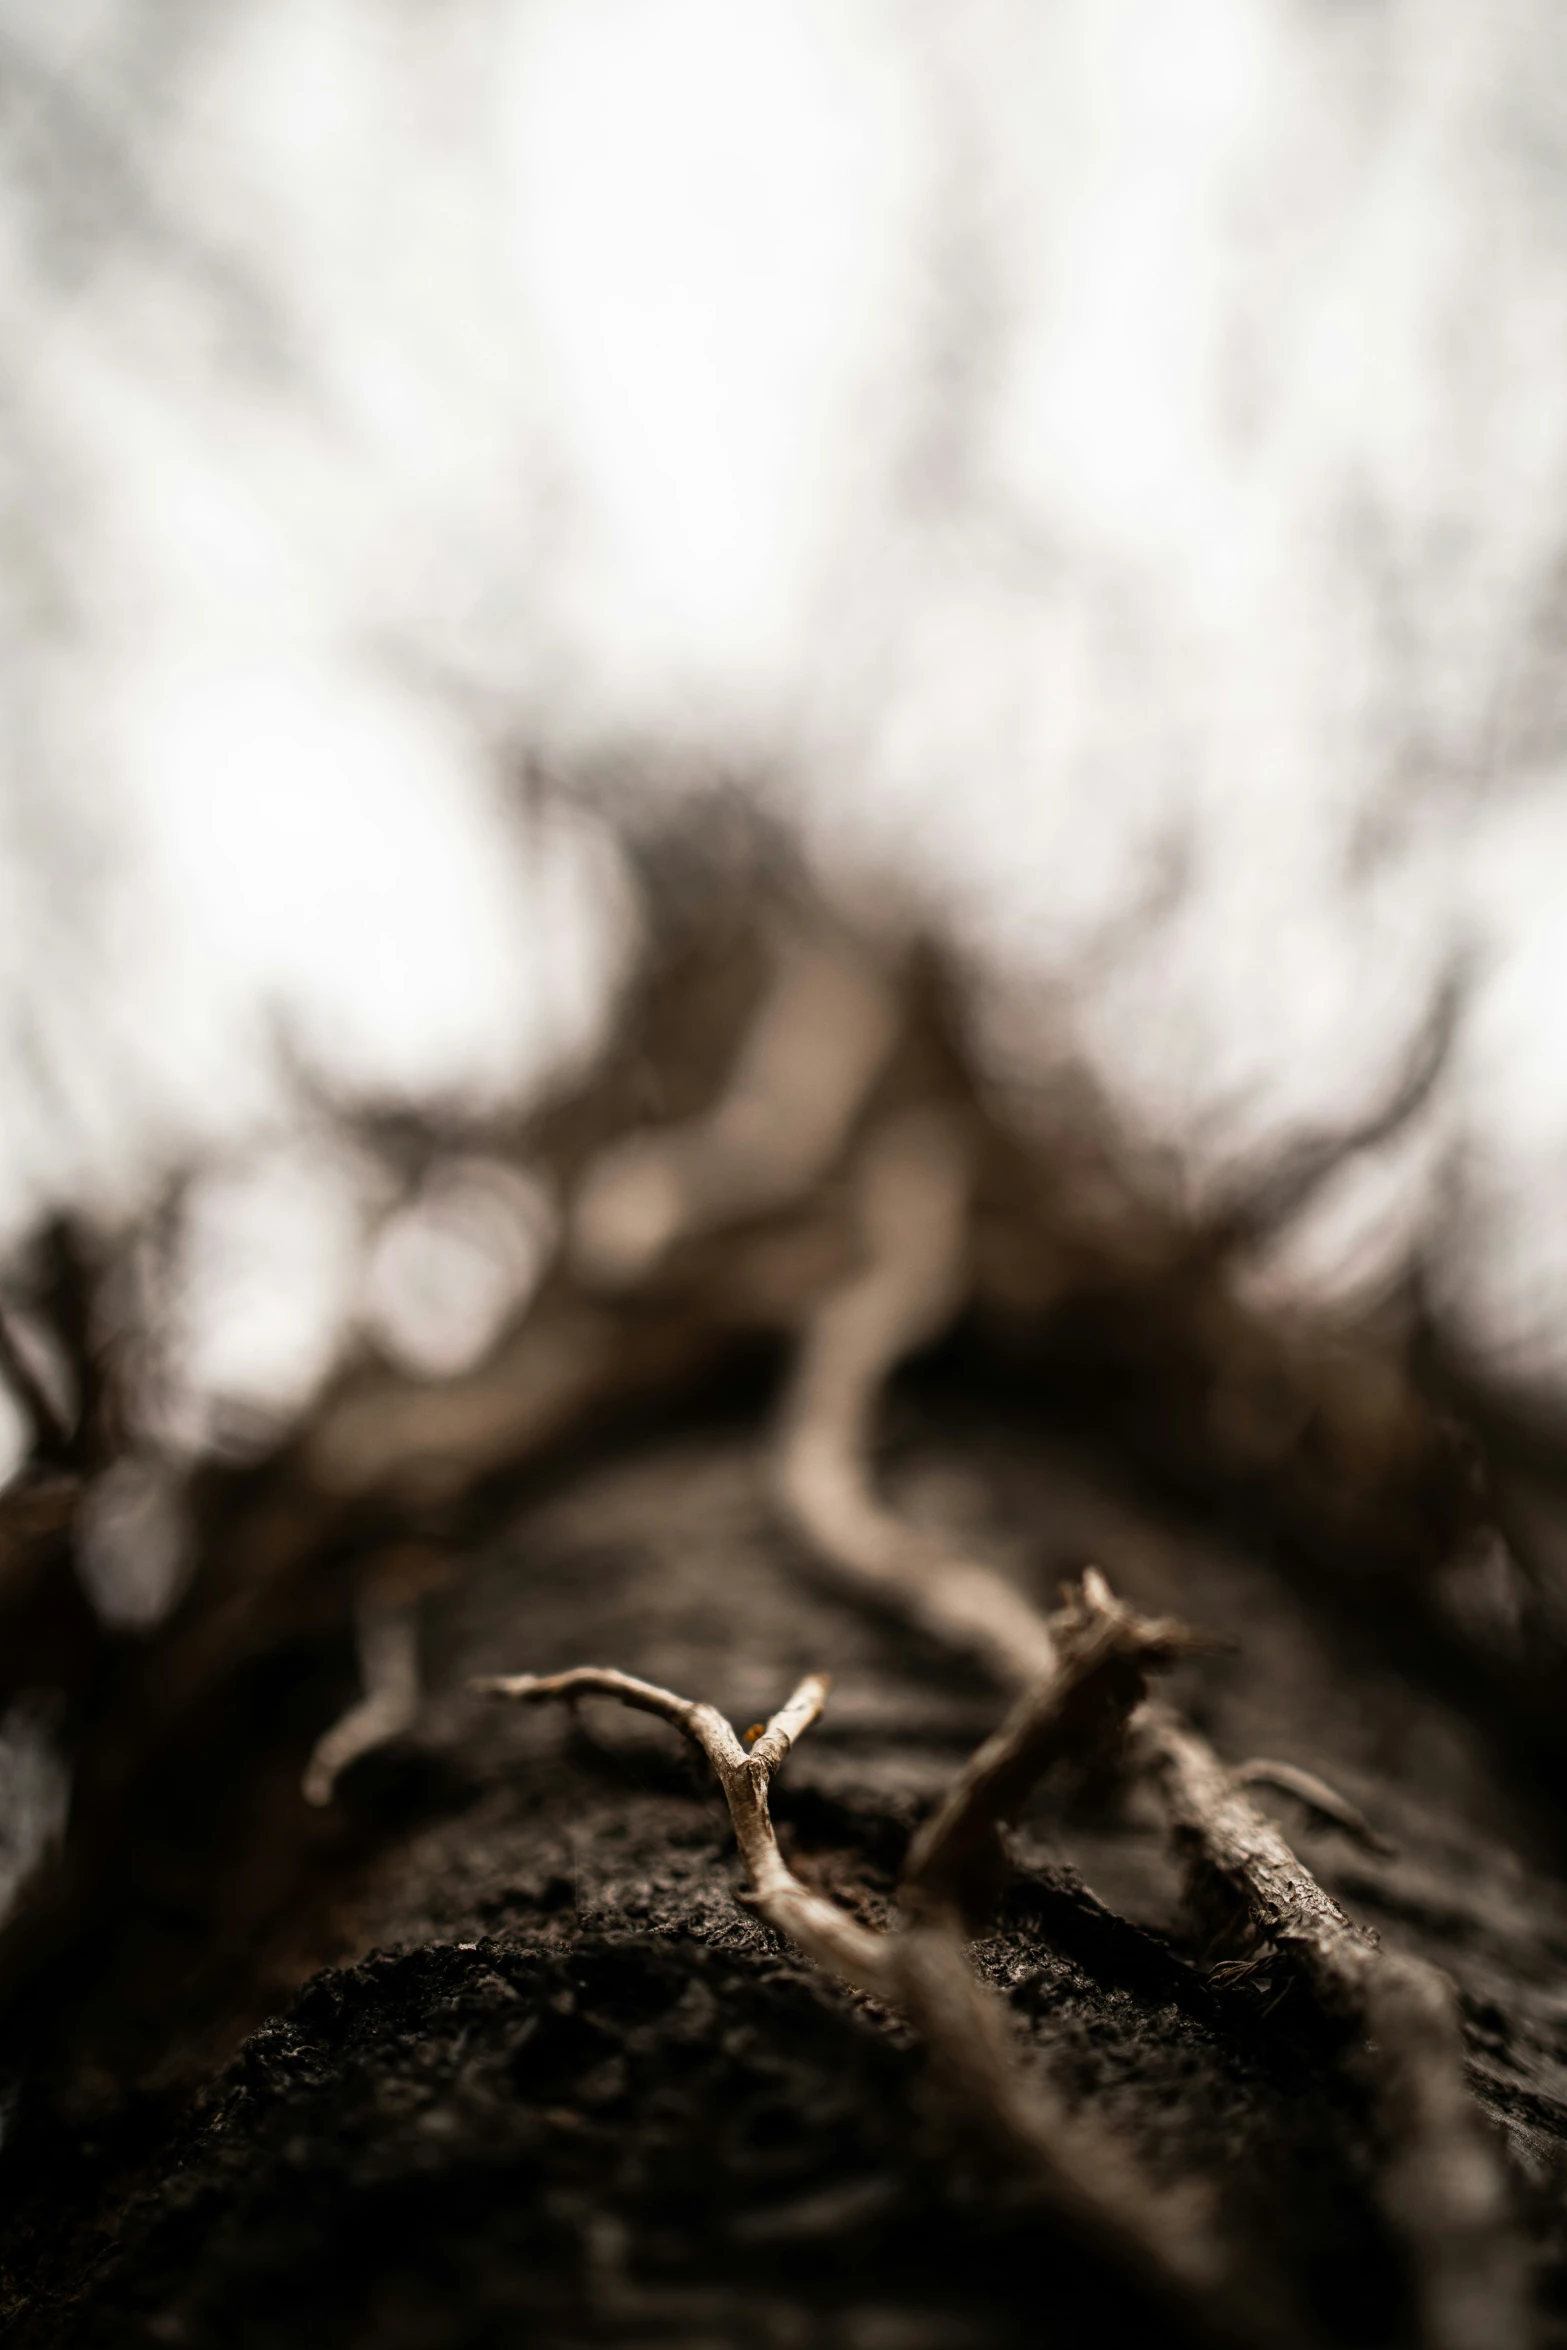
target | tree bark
x=488, y=2050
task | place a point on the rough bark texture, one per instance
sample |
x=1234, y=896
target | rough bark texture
x=488, y=2052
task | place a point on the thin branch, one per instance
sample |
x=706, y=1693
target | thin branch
x=388, y=1645
x=922, y=1969
x=1263, y=1207
x=1316, y=1795
x=813, y=1052
x=1442, y=2186
x=1104, y=1653
x=1162, y=2234
x=822, y=1930
x=53, y=1426
x=913, y=1186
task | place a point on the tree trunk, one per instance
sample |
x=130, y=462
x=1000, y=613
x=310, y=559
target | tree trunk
x=489, y=2052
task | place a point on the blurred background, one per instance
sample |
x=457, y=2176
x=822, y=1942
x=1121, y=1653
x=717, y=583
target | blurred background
x=1083, y=487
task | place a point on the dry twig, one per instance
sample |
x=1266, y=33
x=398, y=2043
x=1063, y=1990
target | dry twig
x=921, y=1967
x=1442, y=2187
x=53, y=1424
x=1316, y=1795
x=812, y=1053
x=912, y=1187
x=387, y=1637
x=1103, y=1654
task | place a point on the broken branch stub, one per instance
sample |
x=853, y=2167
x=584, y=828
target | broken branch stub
x=1104, y=1653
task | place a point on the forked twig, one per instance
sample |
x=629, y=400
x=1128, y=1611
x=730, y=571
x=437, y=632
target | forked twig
x=912, y=1195
x=921, y=1967
x=822, y=1930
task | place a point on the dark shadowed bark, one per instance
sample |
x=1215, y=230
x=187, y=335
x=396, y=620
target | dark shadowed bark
x=491, y=2052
